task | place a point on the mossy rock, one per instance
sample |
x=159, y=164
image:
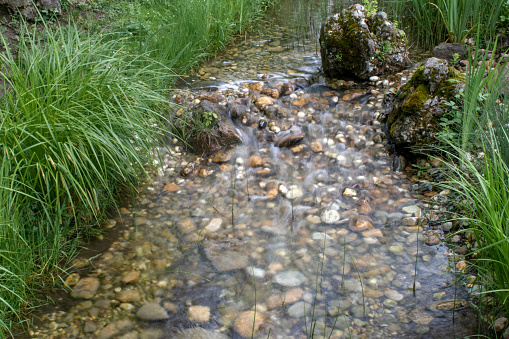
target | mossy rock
x=354, y=44
x=414, y=120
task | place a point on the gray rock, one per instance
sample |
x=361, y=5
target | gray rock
x=226, y=254
x=415, y=117
x=29, y=10
x=299, y=309
x=290, y=278
x=116, y=328
x=356, y=43
x=199, y=333
x=152, y=311
x=86, y=288
x=447, y=51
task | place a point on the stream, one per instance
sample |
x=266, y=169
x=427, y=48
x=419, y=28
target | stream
x=303, y=230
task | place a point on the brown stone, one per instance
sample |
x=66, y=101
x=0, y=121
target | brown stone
x=271, y=92
x=129, y=296
x=360, y=223
x=292, y=296
x=316, y=146
x=352, y=95
x=198, y=313
x=188, y=170
x=130, y=277
x=299, y=102
x=171, y=187
x=262, y=102
x=255, y=161
x=373, y=233
x=433, y=239
x=246, y=323
x=86, y=288
x=298, y=149
x=222, y=157
x=253, y=86
x=500, y=324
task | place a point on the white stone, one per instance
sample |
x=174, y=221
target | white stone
x=330, y=217
x=214, y=225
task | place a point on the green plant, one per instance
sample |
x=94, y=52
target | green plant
x=339, y=57
x=385, y=49
x=370, y=7
x=76, y=124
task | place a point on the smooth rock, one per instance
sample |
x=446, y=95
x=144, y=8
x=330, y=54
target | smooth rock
x=255, y=161
x=299, y=309
x=86, y=288
x=500, y=324
x=222, y=157
x=214, y=225
x=294, y=192
x=199, y=333
x=226, y=254
x=198, y=313
x=290, y=140
x=330, y=217
x=130, y=277
x=432, y=240
x=129, y=296
x=116, y=328
x=316, y=146
x=72, y=279
x=393, y=295
x=247, y=322
x=290, y=278
x=152, y=311
x=171, y=187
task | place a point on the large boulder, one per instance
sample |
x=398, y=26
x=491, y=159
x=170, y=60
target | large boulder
x=414, y=120
x=354, y=43
x=449, y=51
x=30, y=9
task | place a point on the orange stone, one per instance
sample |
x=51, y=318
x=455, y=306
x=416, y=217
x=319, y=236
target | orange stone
x=171, y=187
x=299, y=102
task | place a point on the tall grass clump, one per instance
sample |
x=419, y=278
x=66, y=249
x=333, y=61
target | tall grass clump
x=76, y=123
x=478, y=174
x=430, y=22
x=180, y=33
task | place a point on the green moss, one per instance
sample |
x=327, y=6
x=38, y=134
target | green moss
x=416, y=100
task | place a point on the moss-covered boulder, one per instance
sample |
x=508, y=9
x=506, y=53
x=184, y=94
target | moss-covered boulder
x=360, y=44
x=414, y=119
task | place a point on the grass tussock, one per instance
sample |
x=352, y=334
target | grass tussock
x=430, y=22
x=76, y=123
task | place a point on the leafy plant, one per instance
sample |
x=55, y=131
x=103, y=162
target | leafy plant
x=370, y=7
x=385, y=50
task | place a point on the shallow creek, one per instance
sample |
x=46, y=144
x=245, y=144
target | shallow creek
x=318, y=239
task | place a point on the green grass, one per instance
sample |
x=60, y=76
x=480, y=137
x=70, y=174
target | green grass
x=181, y=33
x=76, y=124
x=430, y=22
x=478, y=174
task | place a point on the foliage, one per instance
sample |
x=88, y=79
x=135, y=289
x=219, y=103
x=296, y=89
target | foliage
x=385, y=49
x=429, y=22
x=76, y=123
x=370, y=7
x=181, y=33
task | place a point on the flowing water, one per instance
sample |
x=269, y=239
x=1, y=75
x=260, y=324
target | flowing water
x=319, y=239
